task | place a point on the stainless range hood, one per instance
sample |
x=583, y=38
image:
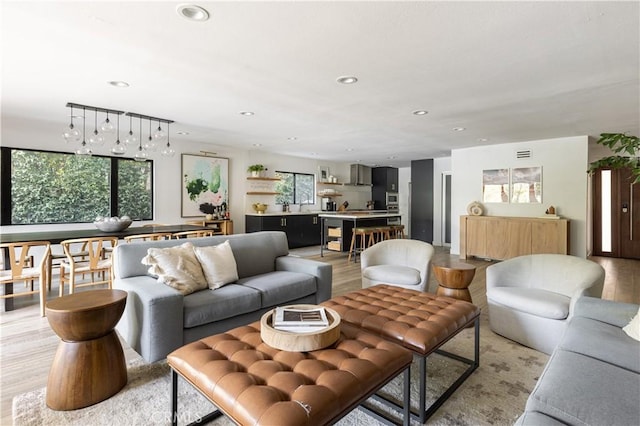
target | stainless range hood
x=360, y=175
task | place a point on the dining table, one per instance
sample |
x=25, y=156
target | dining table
x=57, y=236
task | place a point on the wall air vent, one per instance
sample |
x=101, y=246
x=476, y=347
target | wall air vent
x=523, y=154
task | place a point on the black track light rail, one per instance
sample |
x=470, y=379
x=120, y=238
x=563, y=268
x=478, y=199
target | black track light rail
x=93, y=108
x=148, y=117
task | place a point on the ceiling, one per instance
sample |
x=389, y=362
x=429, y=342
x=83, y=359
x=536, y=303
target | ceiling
x=503, y=71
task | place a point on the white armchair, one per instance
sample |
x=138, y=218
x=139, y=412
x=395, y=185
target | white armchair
x=402, y=262
x=531, y=298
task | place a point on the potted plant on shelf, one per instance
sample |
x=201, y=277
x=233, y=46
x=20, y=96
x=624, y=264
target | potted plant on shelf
x=619, y=143
x=256, y=169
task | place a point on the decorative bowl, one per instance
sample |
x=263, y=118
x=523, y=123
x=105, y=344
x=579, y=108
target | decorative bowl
x=115, y=226
x=260, y=208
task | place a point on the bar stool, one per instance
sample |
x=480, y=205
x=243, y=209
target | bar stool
x=363, y=233
x=384, y=233
x=397, y=232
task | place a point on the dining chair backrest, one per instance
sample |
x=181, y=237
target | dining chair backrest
x=193, y=234
x=95, y=248
x=19, y=256
x=149, y=237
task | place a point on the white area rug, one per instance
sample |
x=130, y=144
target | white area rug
x=495, y=394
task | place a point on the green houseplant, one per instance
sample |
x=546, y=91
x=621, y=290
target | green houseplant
x=619, y=143
x=255, y=169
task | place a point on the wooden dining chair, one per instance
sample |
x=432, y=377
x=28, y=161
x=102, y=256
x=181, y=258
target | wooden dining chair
x=19, y=269
x=151, y=225
x=97, y=263
x=149, y=237
x=56, y=258
x=193, y=234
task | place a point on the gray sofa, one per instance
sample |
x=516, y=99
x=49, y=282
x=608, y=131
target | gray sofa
x=158, y=319
x=593, y=375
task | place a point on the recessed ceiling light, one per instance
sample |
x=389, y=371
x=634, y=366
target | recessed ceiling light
x=118, y=83
x=314, y=153
x=182, y=133
x=257, y=144
x=246, y=112
x=292, y=138
x=420, y=112
x=348, y=79
x=393, y=157
x=483, y=140
x=349, y=149
x=192, y=12
x=459, y=129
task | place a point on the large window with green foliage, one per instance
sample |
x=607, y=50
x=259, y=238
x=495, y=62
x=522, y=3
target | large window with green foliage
x=295, y=188
x=40, y=187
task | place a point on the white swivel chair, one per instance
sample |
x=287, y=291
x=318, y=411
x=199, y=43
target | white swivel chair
x=531, y=298
x=403, y=263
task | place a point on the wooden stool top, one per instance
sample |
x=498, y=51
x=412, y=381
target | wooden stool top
x=86, y=315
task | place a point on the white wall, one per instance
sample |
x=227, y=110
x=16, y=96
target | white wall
x=564, y=163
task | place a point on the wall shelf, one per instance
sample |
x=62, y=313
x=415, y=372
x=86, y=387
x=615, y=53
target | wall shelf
x=335, y=194
x=263, y=178
x=329, y=183
x=262, y=193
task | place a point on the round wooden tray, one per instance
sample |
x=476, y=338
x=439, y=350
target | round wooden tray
x=300, y=342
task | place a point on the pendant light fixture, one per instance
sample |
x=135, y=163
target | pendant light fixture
x=130, y=139
x=96, y=138
x=159, y=134
x=119, y=148
x=84, y=149
x=141, y=155
x=167, y=151
x=107, y=126
x=70, y=133
x=150, y=144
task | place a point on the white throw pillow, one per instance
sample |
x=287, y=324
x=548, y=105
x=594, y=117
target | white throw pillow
x=177, y=267
x=633, y=328
x=218, y=264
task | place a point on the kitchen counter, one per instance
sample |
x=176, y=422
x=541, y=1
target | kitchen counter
x=337, y=227
x=355, y=215
x=282, y=213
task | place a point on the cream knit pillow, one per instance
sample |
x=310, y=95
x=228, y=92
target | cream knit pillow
x=218, y=264
x=176, y=267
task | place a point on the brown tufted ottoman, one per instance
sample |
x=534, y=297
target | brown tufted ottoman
x=253, y=383
x=422, y=322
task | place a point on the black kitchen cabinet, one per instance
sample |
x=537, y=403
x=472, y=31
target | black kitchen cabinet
x=422, y=200
x=383, y=180
x=302, y=230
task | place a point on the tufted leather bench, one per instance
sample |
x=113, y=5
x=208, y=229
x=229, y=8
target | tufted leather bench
x=253, y=383
x=421, y=322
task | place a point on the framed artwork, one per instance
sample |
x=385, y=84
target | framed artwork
x=205, y=184
x=323, y=174
x=526, y=185
x=495, y=186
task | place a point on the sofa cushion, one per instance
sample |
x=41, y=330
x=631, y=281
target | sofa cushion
x=633, y=328
x=203, y=307
x=602, y=341
x=533, y=418
x=177, y=267
x=533, y=301
x=577, y=389
x=396, y=274
x=280, y=287
x=218, y=264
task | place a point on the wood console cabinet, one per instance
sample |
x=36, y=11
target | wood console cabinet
x=499, y=238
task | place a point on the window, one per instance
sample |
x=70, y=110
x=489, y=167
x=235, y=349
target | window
x=40, y=187
x=295, y=188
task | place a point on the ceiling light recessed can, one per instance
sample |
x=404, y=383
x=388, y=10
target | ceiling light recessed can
x=118, y=83
x=347, y=79
x=246, y=113
x=483, y=140
x=192, y=12
x=293, y=138
x=420, y=112
x=182, y=133
x=257, y=144
x=459, y=129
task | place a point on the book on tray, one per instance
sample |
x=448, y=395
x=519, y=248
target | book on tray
x=298, y=320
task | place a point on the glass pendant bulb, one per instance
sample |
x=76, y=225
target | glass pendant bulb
x=149, y=144
x=141, y=155
x=167, y=151
x=70, y=133
x=96, y=138
x=84, y=149
x=107, y=125
x=118, y=148
x=159, y=134
x=130, y=139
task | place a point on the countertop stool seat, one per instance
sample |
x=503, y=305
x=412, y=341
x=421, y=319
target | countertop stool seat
x=421, y=322
x=89, y=365
x=367, y=236
x=252, y=383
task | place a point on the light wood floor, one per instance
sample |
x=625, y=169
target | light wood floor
x=27, y=343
